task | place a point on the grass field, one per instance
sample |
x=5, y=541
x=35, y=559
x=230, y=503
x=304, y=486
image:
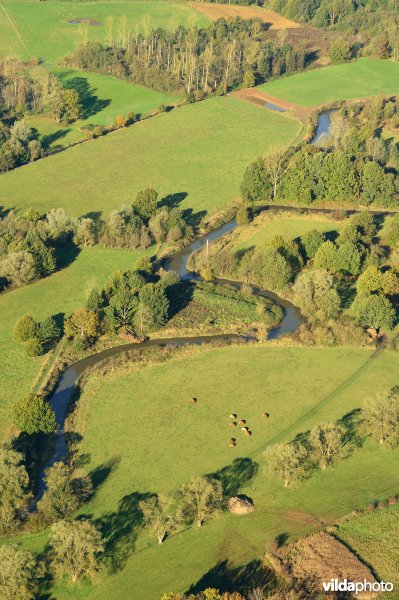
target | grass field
x=374, y=537
x=142, y=435
x=360, y=79
x=103, y=99
x=288, y=225
x=62, y=292
x=197, y=153
x=42, y=29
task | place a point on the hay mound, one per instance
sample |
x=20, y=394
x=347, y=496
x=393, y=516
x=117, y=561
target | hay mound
x=240, y=505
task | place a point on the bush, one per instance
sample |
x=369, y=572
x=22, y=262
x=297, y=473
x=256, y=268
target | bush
x=34, y=347
x=244, y=215
x=25, y=329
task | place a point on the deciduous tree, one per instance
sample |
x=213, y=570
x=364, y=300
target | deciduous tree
x=200, y=499
x=157, y=516
x=75, y=549
x=287, y=461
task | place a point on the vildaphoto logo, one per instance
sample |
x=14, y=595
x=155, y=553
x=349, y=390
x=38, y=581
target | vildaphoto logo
x=343, y=585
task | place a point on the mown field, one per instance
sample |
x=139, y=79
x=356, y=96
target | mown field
x=374, y=537
x=30, y=28
x=103, y=99
x=141, y=434
x=59, y=294
x=362, y=78
x=196, y=153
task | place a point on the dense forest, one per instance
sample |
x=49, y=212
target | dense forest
x=192, y=61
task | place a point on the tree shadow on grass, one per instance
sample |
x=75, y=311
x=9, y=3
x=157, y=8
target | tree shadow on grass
x=173, y=200
x=91, y=103
x=120, y=530
x=243, y=578
x=237, y=475
x=49, y=141
x=352, y=431
x=66, y=254
x=101, y=473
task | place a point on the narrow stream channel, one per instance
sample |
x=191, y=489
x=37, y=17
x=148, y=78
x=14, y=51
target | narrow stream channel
x=178, y=263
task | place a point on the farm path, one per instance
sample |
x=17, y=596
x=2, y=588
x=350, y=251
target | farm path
x=15, y=29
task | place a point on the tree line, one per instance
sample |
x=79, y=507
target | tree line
x=329, y=443
x=356, y=165
x=191, y=61
x=31, y=242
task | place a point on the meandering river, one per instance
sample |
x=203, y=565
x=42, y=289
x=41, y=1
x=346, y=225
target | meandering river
x=62, y=395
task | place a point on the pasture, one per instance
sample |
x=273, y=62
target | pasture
x=103, y=99
x=288, y=225
x=60, y=294
x=166, y=440
x=51, y=30
x=195, y=154
x=374, y=537
x=360, y=79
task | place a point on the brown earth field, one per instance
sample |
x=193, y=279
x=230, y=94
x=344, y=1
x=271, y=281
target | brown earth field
x=256, y=96
x=217, y=11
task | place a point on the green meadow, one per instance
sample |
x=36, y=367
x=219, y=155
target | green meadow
x=59, y=294
x=197, y=153
x=103, y=99
x=30, y=28
x=141, y=435
x=374, y=537
x=287, y=225
x=360, y=79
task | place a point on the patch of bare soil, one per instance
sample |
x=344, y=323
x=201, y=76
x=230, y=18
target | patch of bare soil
x=256, y=96
x=90, y=22
x=229, y=11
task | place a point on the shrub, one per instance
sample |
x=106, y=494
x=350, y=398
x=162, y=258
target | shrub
x=34, y=347
x=120, y=122
x=25, y=329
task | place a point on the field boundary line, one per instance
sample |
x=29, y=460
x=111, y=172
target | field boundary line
x=323, y=402
x=14, y=27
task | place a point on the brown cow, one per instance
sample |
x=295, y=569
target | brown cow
x=233, y=424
